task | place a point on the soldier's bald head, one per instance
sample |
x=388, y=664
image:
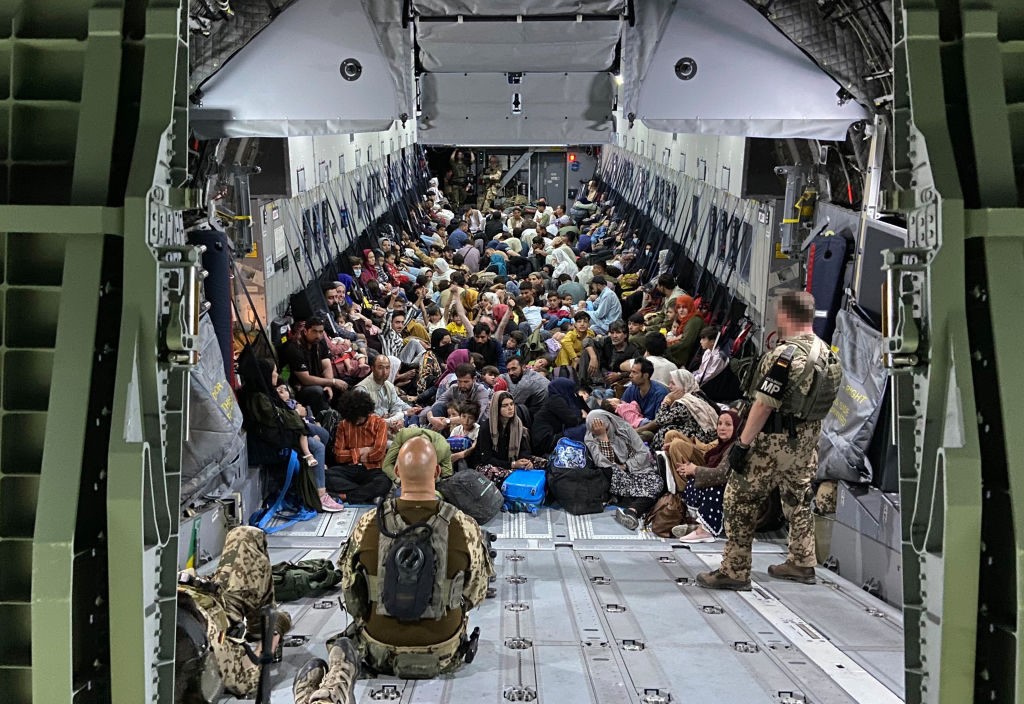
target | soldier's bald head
x=417, y=461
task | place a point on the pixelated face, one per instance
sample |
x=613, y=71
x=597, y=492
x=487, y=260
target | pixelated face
x=435, y=317
x=483, y=337
x=466, y=420
x=453, y=414
x=385, y=246
x=682, y=311
x=340, y=291
x=511, y=344
x=618, y=336
x=725, y=427
x=552, y=300
x=490, y=378
x=581, y=326
x=332, y=297
x=635, y=328
x=398, y=322
x=567, y=300
x=706, y=344
x=371, y=259
x=283, y=393
x=673, y=385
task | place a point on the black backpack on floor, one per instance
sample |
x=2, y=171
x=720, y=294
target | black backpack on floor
x=579, y=491
x=473, y=494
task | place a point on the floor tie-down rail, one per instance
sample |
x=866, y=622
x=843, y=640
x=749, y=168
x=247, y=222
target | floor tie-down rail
x=586, y=612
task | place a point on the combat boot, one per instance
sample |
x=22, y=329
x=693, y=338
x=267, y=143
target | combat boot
x=338, y=685
x=307, y=680
x=719, y=580
x=787, y=570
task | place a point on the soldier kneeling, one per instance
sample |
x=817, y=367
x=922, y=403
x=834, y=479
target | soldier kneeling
x=411, y=570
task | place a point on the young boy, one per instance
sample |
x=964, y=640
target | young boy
x=462, y=438
x=713, y=360
x=492, y=379
x=637, y=331
x=556, y=311
x=572, y=342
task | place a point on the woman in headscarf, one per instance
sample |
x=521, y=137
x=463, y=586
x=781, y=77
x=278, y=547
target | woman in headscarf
x=504, y=443
x=703, y=470
x=268, y=418
x=562, y=415
x=636, y=481
x=442, y=270
x=441, y=347
x=563, y=259
x=685, y=332
x=455, y=358
x=683, y=409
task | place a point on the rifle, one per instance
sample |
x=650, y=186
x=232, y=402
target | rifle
x=263, y=689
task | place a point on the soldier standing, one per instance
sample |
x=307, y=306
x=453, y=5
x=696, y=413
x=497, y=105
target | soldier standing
x=796, y=384
x=458, y=177
x=491, y=178
x=407, y=620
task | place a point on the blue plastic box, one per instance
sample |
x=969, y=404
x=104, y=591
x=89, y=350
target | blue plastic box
x=527, y=486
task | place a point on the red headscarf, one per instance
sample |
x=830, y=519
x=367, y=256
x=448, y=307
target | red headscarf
x=369, y=271
x=684, y=301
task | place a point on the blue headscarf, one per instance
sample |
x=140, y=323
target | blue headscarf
x=565, y=389
x=498, y=262
x=350, y=285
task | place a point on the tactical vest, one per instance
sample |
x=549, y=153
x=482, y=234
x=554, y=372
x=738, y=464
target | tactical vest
x=446, y=594
x=824, y=364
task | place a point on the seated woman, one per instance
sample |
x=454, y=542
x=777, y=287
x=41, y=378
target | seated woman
x=703, y=468
x=683, y=409
x=503, y=443
x=636, y=481
x=441, y=347
x=268, y=418
x=685, y=332
x=562, y=415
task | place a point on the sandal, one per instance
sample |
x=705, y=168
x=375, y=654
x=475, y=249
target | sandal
x=310, y=460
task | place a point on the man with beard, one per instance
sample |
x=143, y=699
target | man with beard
x=483, y=344
x=528, y=387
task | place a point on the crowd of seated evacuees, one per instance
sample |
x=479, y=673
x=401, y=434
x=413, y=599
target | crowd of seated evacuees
x=507, y=329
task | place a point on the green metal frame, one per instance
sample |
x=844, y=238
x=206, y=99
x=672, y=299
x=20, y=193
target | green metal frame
x=958, y=151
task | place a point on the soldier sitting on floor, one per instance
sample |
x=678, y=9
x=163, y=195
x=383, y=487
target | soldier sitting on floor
x=412, y=569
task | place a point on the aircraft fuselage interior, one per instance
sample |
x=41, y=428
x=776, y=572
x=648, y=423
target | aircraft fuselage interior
x=708, y=312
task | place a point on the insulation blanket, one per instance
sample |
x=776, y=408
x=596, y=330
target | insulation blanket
x=847, y=430
x=213, y=457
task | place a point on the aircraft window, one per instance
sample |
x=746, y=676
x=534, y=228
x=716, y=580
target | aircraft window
x=724, y=178
x=359, y=158
x=300, y=180
x=745, y=245
x=702, y=169
x=682, y=163
x=691, y=230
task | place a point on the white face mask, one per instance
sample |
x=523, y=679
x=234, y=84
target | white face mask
x=356, y=272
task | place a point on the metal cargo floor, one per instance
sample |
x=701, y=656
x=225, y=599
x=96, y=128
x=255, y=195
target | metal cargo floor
x=586, y=612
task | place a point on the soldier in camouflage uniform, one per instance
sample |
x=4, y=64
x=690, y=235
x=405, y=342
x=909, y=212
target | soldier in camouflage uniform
x=458, y=178
x=774, y=449
x=230, y=605
x=491, y=178
x=409, y=649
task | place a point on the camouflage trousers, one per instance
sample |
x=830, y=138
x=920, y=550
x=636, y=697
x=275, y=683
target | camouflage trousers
x=408, y=662
x=244, y=585
x=775, y=461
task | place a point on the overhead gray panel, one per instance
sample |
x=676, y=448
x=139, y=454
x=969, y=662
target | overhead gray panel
x=750, y=80
x=638, y=45
x=475, y=109
x=287, y=81
x=498, y=47
x=438, y=8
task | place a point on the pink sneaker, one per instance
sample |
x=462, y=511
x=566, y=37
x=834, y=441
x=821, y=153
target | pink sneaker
x=330, y=505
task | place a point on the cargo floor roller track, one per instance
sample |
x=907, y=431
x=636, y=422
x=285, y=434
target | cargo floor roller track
x=586, y=612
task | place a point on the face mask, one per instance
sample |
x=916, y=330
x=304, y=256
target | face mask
x=444, y=350
x=356, y=272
